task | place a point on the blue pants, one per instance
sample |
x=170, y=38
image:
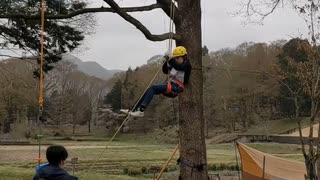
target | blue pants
x=156, y=90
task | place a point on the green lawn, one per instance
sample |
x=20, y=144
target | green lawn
x=277, y=126
x=14, y=173
x=17, y=162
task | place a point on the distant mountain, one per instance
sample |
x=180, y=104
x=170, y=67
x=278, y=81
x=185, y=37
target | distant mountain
x=91, y=68
x=155, y=59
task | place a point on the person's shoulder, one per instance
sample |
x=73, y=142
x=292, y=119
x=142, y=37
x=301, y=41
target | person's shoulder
x=74, y=178
x=69, y=177
x=42, y=166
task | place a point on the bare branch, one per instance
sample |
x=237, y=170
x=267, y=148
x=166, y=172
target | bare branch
x=4, y=55
x=82, y=11
x=317, y=74
x=139, y=25
x=301, y=139
x=248, y=7
x=276, y=3
x=257, y=11
x=20, y=58
x=4, y=75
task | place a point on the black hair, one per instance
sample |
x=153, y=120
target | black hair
x=186, y=57
x=55, y=154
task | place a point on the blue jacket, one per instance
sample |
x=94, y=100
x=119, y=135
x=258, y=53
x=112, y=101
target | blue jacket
x=50, y=172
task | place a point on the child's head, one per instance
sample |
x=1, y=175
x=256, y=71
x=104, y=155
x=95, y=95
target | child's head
x=56, y=155
x=180, y=59
x=180, y=54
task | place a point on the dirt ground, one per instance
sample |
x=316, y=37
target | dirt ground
x=306, y=131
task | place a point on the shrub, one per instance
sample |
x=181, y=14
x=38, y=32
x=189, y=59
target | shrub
x=212, y=167
x=143, y=170
x=125, y=170
x=134, y=172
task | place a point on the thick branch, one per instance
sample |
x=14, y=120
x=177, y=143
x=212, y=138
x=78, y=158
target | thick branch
x=139, y=25
x=82, y=11
x=166, y=7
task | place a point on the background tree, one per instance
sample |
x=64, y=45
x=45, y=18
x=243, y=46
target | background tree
x=61, y=36
x=308, y=74
x=114, y=96
x=66, y=87
x=237, y=85
x=309, y=11
x=17, y=92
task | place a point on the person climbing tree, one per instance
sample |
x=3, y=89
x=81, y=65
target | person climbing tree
x=56, y=156
x=178, y=67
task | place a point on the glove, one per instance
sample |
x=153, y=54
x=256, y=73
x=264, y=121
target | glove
x=168, y=55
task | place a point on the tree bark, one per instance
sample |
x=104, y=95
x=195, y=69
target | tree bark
x=74, y=124
x=193, y=165
x=297, y=106
x=89, y=125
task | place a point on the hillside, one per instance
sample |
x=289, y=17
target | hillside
x=91, y=68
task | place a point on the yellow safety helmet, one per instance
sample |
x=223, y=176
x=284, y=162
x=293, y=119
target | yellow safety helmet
x=179, y=51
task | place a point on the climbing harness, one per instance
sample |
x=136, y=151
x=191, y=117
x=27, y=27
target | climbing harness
x=174, y=82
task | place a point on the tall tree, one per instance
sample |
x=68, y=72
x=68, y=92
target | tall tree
x=114, y=96
x=187, y=22
x=18, y=92
x=310, y=12
x=301, y=73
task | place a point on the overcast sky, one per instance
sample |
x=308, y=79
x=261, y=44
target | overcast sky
x=118, y=45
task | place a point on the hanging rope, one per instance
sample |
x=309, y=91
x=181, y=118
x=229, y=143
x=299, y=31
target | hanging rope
x=41, y=56
x=168, y=161
x=171, y=24
x=40, y=101
x=122, y=124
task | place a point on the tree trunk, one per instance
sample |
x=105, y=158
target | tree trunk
x=73, y=129
x=297, y=107
x=6, y=126
x=74, y=124
x=311, y=170
x=193, y=165
x=207, y=127
x=89, y=125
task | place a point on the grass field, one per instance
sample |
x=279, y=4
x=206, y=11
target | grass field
x=277, y=126
x=123, y=157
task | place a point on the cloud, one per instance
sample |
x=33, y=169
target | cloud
x=118, y=45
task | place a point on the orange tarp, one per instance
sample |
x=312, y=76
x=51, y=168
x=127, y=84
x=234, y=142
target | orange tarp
x=275, y=168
